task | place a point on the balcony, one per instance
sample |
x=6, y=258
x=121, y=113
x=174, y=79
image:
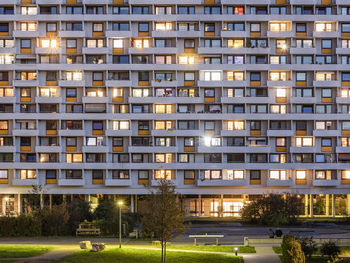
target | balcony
x=71, y=83
x=71, y=34
x=326, y=133
x=278, y=34
x=238, y=182
x=7, y=149
x=110, y=132
x=326, y=34
x=87, y=99
x=227, y=33
x=48, y=99
x=340, y=149
x=118, y=83
x=300, y=100
x=26, y=83
x=283, y=183
x=95, y=149
x=118, y=182
x=164, y=83
x=279, y=83
x=71, y=182
x=302, y=51
x=112, y=34
x=157, y=182
x=326, y=83
x=294, y=149
x=19, y=132
x=25, y=182
x=68, y=132
x=325, y=183
x=279, y=133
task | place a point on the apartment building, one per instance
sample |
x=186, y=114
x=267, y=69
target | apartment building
x=230, y=100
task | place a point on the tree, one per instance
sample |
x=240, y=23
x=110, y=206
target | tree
x=308, y=245
x=273, y=210
x=107, y=216
x=331, y=250
x=79, y=210
x=291, y=250
x=163, y=216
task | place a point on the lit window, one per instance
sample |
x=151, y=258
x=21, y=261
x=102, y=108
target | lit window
x=345, y=174
x=212, y=75
x=235, y=43
x=235, y=75
x=120, y=125
x=118, y=43
x=303, y=141
x=6, y=59
x=278, y=175
x=325, y=76
x=278, y=27
x=278, y=76
x=141, y=43
x=300, y=175
x=117, y=92
x=163, y=174
x=322, y=27
x=28, y=174
x=186, y=60
x=49, y=43
x=281, y=93
x=233, y=175
x=235, y=125
x=74, y=75
x=164, y=26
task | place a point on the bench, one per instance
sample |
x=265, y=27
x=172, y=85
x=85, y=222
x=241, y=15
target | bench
x=87, y=229
x=206, y=236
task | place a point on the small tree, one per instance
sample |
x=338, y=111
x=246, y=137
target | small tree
x=308, y=245
x=79, y=210
x=163, y=216
x=291, y=250
x=107, y=216
x=273, y=210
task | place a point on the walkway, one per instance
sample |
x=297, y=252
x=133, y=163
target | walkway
x=58, y=253
x=263, y=255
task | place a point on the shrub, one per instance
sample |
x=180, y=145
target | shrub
x=54, y=221
x=295, y=253
x=308, y=245
x=23, y=225
x=272, y=210
x=330, y=250
x=287, y=239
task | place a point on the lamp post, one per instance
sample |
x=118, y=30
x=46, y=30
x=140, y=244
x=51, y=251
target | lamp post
x=120, y=203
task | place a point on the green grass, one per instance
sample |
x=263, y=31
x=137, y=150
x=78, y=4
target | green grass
x=214, y=248
x=129, y=255
x=324, y=260
x=277, y=250
x=22, y=251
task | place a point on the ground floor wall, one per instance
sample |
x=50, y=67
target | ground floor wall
x=322, y=205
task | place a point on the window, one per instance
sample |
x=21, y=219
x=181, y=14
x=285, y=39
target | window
x=233, y=175
x=74, y=26
x=163, y=10
x=212, y=76
x=235, y=125
x=28, y=10
x=28, y=26
x=209, y=27
x=25, y=43
x=300, y=175
x=278, y=175
x=143, y=27
x=323, y=27
x=255, y=27
x=166, y=26
x=235, y=43
x=186, y=10
x=326, y=142
x=278, y=27
x=97, y=27
x=27, y=174
x=120, y=174
x=304, y=142
x=234, y=27
x=49, y=43
x=300, y=28
x=164, y=175
x=120, y=125
x=74, y=157
x=345, y=28
x=140, y=10
x=74, y=174
x=51, y=27
x=212, y=174
x=326, y=43
x=141, y=43
x=120, y=26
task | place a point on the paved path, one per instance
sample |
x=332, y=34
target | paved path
x=263, y=255
x=58, y=253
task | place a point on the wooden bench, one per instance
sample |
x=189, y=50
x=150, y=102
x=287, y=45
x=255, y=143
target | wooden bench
x=206, y=236
x=87, y=229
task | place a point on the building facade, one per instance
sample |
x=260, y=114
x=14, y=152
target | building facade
x=228, y=99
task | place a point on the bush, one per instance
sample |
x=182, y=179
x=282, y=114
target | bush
x=308, y=245
x=295, y=253
x=285, y=246
x=23, y=225
x=330, y=250
x=272, y=210
x=54, y=221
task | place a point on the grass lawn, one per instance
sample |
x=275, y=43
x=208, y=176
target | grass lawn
x=277, y=250
x=22, y=251
x=129, y=255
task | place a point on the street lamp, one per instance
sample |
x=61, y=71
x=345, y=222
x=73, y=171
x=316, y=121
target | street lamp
x=120, y=203
x=236, y=251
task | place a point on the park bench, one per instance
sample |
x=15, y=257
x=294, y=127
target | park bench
x=206, y=236
x=87, y=228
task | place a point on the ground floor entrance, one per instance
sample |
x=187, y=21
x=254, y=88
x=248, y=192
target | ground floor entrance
x=321, y=205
